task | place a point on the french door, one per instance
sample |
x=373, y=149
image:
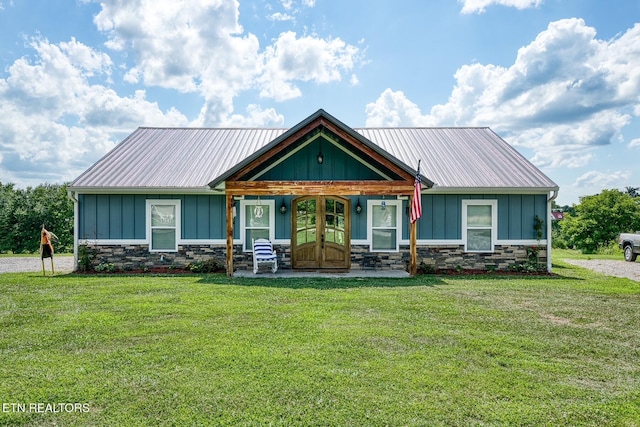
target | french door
x=320, y=232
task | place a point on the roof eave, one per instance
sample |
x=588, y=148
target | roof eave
x=144, y=190
x=496, y=190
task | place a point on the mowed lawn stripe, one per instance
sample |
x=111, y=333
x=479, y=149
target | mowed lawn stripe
x=430, y=350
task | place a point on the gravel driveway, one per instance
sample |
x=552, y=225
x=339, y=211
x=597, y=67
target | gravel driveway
x=630, y=270
x=62, y=264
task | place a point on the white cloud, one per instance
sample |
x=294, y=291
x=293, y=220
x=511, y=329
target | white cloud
x=54, y=122
x=599, y=180
x=280, y=17
x=566, y=94
x=634, y=143
x=256, y=116
x=289, y=4
x=176, y=43
x=59, y=111
x=593, y=182
x=479, y=6
x=393, y=109
x=305, y=59
x=200, y=47
x=59, y=76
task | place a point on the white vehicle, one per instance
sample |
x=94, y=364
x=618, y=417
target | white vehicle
x=630, y=244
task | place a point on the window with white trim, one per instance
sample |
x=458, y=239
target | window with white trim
x=384, y=219
x=479, y=225
x=257, y=221
x=163, y=225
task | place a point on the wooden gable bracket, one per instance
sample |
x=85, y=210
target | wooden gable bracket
x=320, y=122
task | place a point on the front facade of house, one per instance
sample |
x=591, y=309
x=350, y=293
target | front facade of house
x=328, y=197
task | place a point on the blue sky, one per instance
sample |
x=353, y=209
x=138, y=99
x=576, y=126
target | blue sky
x=557, y=79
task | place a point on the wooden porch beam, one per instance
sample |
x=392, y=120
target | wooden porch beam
x=336, y=188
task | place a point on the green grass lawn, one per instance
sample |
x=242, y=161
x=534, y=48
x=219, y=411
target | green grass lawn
x=207, y=350
x=573, y=254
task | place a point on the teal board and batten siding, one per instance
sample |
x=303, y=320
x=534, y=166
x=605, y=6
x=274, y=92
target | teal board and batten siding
x=204, y=217
x=112, y=216
x=442, y=216
x=337, y=165
x=521, y=209
x=123, y=216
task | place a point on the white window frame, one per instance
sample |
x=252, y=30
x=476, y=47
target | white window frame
x=243, y=220
x=178, y=227
x=494, y=222
x=398, y=225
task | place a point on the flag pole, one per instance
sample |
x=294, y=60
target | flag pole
x=413, y=259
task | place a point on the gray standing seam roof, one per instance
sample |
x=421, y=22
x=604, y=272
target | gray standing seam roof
x=461, y=157
x=190, y=158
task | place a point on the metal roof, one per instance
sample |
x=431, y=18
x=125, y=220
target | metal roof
x=461, y=157
x=191, y=158
x=174, y=157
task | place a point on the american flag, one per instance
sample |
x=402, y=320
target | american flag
x=416, y=205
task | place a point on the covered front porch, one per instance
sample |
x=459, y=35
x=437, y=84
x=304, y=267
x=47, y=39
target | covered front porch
x=321, y=167
x=320, y=233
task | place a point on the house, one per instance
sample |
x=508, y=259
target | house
x=328, y=196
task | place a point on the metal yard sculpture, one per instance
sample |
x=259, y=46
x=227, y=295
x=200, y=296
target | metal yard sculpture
x=46, y=248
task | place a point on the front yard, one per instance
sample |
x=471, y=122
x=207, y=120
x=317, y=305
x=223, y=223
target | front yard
x=431, y=350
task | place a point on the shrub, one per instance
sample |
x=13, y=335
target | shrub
x=425, y=268
x=532, y=264
x=105, y=267
x=611, y=249
x=211, y=265
x=85, y=258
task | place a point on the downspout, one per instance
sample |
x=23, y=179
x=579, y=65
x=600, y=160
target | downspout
x=73, y=196
x=549, y=221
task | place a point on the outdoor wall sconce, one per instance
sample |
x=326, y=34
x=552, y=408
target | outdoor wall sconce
x=283, y=208
x=358, y=207
x=320, y=157
x=383, y=205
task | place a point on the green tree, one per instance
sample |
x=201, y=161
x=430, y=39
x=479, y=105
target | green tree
x=599, y=219
x=7, y=194
x=633, y=191
x=23, y=212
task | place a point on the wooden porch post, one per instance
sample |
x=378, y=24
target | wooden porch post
x=229, y=234
x=413, y=258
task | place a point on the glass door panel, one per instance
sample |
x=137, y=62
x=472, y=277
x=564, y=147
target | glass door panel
x=320, y=237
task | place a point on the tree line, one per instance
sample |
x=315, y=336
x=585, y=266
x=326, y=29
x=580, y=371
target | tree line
x=593, y=224
x=589, y=226
x=24, y=211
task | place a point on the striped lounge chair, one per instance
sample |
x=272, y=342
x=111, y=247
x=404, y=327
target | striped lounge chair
x=263, y=254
